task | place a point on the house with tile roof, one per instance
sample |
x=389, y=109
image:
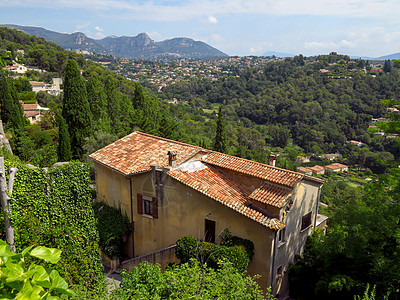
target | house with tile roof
x=33, y=112
x=169, y=189
x=336, y=167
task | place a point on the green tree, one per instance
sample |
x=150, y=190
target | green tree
x=97, y=98
x=76, y=109
x=11, y=111
x=361, y=247
x=220, y=142
x=64, y=144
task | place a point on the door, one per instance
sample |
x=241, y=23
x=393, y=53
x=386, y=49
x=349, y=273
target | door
x=209, y=232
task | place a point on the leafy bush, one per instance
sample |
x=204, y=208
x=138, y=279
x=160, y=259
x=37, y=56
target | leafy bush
x=228, y=240
x=211, y=254
x=112, y=226
x=190, y=280
x=20, y=281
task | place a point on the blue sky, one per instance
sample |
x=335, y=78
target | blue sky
x=236, y=27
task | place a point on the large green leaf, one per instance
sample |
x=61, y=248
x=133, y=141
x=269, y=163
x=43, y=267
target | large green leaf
x=51, y=255
x=57, y=282
x=41, y=277
x=29, y=292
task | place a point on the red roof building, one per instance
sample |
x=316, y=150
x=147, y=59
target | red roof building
x=170, y=189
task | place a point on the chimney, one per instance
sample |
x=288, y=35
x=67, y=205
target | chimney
x=172, y=158
x=272, y=159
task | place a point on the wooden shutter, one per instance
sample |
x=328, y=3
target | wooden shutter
x=155, y=207
x=139, y=198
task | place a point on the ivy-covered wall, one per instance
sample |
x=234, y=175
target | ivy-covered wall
x=53, y=208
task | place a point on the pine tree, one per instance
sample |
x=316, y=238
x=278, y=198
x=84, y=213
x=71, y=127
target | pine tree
x=76, y=109
x=220, y=135
x=64, y=143
x=11, y=110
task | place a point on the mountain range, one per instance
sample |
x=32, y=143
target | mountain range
x=132, y=47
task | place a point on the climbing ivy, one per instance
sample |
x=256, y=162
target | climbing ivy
x=112, y=226
x=53, y=208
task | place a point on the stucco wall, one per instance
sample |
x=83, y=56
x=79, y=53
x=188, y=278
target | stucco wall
x=305, y=201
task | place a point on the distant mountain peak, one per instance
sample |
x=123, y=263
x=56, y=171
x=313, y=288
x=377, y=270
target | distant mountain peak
x=134, y=47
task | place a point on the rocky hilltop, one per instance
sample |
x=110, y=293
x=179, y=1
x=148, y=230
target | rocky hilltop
x=133, y=47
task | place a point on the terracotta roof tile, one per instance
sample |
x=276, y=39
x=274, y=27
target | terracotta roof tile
x=271, y=194
x=214, y=183
x=27, y=107
x=259, y=170
x=135, y=153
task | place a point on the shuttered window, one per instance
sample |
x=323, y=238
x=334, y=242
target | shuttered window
x=147, y=206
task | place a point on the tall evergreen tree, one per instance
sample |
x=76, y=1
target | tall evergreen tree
x=11, y=110
x=139, y=100
x=113, y=102
x=97, y=98
x=76, y=109
x=220, y=135
x=64, y=143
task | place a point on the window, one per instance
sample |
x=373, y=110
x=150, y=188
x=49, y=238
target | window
x=281, y=236
x=147, y=206
x=279, y=273
x=305, y=221
x=209, y=234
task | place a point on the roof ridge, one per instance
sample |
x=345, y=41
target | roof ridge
x=167, y=140
x=256, y=162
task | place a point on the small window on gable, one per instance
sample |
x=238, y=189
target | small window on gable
x=279, y=272
x=159, y=174
x=305, y=221
x=281, y=235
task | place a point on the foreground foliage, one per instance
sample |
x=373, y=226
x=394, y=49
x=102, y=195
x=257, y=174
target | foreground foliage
x=20, y=280
x=188, y=281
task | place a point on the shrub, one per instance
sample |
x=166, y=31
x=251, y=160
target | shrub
x=112, y=226
x=228, y=240
x=188, y=247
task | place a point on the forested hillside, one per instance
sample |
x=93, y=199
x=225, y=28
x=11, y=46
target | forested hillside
x=292, y=103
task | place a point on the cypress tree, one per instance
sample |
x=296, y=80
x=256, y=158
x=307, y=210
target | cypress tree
x=220, y=135
x=11, y=110
x=97, y=98
x=76, y=109
x=64, y=143
x=113, y=102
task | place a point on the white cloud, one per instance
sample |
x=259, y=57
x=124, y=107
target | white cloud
x=98, y=28
x=100, y=35
x=187, y=10
x=155, y=36
x=255, y=50
x=216, y=37
x=212, y=20
x=81, y=27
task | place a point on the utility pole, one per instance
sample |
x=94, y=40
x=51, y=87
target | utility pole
x=5, y=201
